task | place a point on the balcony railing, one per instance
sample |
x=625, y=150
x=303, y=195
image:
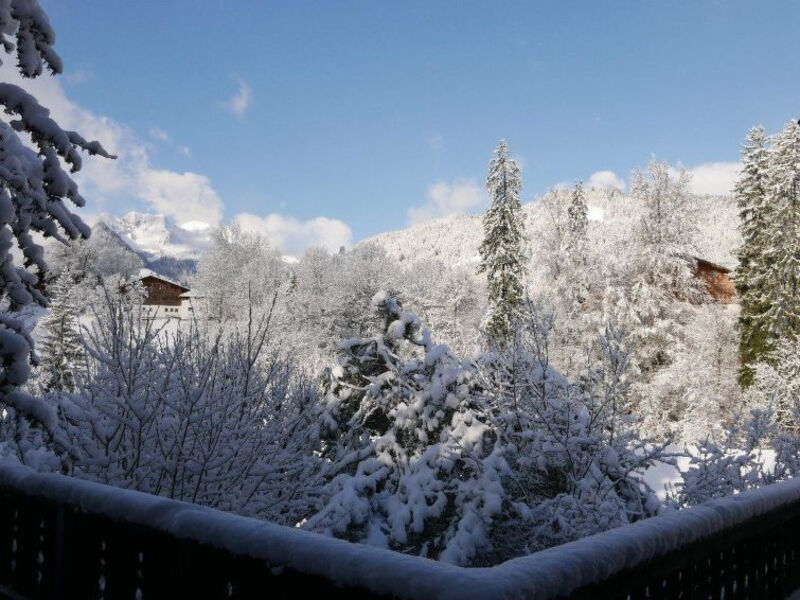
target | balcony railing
x=66, y=538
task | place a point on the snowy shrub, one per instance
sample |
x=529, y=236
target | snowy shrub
x=221, y=420
x=575, y=455
x=735, y=463
x=414, y=461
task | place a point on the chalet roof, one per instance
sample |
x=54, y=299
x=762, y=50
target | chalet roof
x=144, y=273
x=192, y=294
x=701, y=262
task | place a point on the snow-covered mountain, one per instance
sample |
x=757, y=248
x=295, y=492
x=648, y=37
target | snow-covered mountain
x=155, y=236
x=454, y=240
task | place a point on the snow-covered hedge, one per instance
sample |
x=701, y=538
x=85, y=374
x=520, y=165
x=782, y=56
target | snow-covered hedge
x=546, y=574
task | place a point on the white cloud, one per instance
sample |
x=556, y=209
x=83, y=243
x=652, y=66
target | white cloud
x=159, y=134
x=78, y=76
x=164, y=137
x=185, y=196
x=444, y=199
x=117, y=185
x=292, y=236
x=605, y=179
x=716, y=178
x=241, y=99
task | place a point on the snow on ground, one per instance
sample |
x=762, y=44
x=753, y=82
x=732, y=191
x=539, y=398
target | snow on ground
x=661, y=475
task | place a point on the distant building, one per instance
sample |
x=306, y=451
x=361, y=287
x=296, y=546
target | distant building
x=717, y=280
x=192, y=304
x=163, y=298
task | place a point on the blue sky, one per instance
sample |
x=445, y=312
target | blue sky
x=360, y=111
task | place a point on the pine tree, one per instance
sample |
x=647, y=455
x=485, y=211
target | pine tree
x=752, y=200
x=36, y=191
x=578, y=217
x=780, y=284
x=664, y=269
x=414, y=463
x=578, y=246
x=502, y=254
x=61, y=348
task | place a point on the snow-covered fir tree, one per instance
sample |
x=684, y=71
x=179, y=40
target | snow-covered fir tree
x=578, y=229
x=754, y=205
x=776, y=384
x=35, y=192
x=664, y=270
x=61, y=347
x=502, y=250
x=780, y=289
x=414, y=463
x=578, y=295
x=659, y=283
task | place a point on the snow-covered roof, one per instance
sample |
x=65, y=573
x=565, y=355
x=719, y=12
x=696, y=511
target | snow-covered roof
x=149, y=273
x=192, y=294
x=702, y=262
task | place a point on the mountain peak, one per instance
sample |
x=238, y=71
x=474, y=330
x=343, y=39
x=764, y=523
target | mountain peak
x=156, y=236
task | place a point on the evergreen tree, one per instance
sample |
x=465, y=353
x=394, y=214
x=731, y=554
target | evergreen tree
x=502, y=254
x=36, y=192
x=578, y=221
x=61, y=348
x=664, y=266
x=779, y=284
x=577, y=247
x=414, y=460
x=752, y=200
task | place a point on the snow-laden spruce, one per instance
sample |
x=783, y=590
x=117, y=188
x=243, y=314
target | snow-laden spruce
x=502, y=250
x=35, y=193
x=414, y=462
x=782, y=254
x=61, y=346
x=754, y=213
x=768, y=276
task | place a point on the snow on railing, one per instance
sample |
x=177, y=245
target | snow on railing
x=62, y=537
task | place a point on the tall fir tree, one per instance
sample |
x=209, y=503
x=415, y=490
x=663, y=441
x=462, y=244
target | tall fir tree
x=664, y=268
x=781, y=257
x=751, y=198
x=502, y=250
x=61, y=348
x=578, y=244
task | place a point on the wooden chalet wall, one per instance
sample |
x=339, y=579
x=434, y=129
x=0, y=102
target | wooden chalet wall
x=717, y=280
x=162, y=292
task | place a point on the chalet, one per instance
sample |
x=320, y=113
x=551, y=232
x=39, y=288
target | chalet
x=163, y=298
x=717, y=280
